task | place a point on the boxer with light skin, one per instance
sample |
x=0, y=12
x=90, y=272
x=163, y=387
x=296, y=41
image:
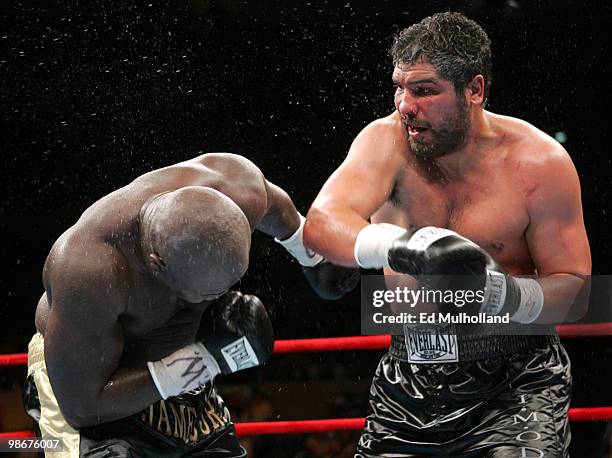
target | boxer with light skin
x=443, y=186
x=137, y=318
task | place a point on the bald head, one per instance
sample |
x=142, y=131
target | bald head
x=196, y=240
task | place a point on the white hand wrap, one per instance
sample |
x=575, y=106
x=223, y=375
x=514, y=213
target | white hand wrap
x=295, y=246
x=532, y=297
x=532, y=301
x=373, y=244
x=184, y=370
x=496, y=287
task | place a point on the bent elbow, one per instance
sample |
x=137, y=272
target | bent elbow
x=79, y=416
x=580, y=304
x=312, y=228
x=317, y=231
x=577, y=312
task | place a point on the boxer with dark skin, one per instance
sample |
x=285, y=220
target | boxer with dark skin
x=103, y=292
x=441, y=160
x=127, y=287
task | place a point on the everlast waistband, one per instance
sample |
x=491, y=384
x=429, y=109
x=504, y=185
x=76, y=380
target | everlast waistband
x=470, y=347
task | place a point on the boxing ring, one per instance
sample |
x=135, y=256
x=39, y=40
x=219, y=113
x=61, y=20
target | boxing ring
x=567, y=331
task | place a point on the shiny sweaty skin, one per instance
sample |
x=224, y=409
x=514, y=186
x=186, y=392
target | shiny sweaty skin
x=513, y=191
x=103, y=315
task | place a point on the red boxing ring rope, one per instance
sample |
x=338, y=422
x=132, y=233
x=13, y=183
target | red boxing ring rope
x=566, y=331
x=569, y=331
x=335, y=424
x=332, y=344
x=16, y=359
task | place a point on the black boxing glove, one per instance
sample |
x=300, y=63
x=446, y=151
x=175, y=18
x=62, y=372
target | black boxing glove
x=330, y=281
x=235, y=333
x=425, y=251
x=446, y=260
x=436, y=251
x=441, y=259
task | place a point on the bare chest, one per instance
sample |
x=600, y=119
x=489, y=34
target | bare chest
x=490, y=212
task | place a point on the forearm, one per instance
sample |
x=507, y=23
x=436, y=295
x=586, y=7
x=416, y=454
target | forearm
x=566, y=298
x=129, y=391
x=332, y=231
x=282, y=218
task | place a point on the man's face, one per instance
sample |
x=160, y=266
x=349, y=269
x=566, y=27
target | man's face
x=436, y=119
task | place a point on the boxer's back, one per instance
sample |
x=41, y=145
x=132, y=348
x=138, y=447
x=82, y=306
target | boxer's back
x=114, y=215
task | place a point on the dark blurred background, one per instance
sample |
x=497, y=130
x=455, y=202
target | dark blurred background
x=93, y=95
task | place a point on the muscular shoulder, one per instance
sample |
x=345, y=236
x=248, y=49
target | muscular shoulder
x=210, y=169
x=385, y=131
x=540, y=161
x=228, y=162
x=532, y=150
x=80, y=271
x=239, y=179
x=382, y=141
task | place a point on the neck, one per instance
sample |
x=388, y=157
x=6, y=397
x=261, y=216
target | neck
x=132, y=248
x=457, y=164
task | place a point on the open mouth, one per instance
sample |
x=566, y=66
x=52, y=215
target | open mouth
x=415, y=130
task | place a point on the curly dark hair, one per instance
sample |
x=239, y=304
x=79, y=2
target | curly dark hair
x=456, y=46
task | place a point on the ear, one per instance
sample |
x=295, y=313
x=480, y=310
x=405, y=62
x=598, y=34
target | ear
x=475, y=90
x=156, y=262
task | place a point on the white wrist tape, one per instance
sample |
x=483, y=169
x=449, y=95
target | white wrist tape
x=373, y=244
x=295, y=246
x=532, y=301
x=184, y=370
x=495, y=293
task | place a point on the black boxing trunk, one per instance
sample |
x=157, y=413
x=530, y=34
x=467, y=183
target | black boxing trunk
x=509, y=405
x=193, y=424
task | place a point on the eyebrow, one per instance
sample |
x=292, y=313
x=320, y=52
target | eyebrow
x=425, y=80
x=421, y=81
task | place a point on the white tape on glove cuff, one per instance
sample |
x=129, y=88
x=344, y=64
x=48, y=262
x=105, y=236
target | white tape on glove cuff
x=184, y=370
x=532, y=301
x=373, y=244
x=295, y=246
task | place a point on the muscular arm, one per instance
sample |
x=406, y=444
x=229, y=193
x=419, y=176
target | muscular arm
x=281, y=218
x=268, y=208
x=353, y=193
x=557, y=239
x=83, y=345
